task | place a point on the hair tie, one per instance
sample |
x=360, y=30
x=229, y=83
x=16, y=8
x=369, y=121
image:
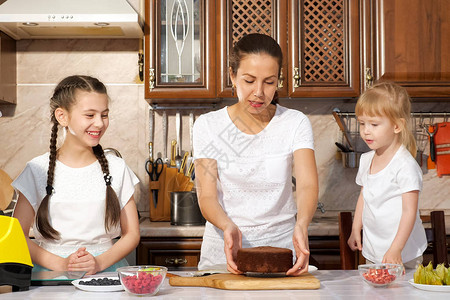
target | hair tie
x=107, y=178
x=49, y=190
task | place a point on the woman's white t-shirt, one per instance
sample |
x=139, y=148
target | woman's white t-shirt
x=254, y=177
x=382, y=209
x=77, y=205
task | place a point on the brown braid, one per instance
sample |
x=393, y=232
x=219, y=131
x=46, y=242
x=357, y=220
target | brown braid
x=42, y=222
x=112, y=209
x=63, y=97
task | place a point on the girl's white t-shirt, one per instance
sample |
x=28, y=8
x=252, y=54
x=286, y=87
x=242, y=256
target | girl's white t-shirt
x=77, y=206
x=382, y=209
x=254, y=171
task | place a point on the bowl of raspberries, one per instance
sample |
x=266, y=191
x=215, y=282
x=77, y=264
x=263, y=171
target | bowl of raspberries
x=142, y=280
x=380, y=275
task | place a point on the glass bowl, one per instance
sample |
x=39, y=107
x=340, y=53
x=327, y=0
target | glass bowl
x=142, y=280
x=380, y=275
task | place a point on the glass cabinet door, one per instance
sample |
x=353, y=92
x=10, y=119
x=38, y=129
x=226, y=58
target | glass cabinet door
x=179, y=49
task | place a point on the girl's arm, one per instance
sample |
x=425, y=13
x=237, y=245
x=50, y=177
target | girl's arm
x=129, y=239
x=354, y=241
x=206, y=184
x=410, y=202
x=307, y=190
x=24, y=212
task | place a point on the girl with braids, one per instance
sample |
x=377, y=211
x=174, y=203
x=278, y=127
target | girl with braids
x=244, y=154
x=79, y=199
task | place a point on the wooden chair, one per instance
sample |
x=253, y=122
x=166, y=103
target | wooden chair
x=436, y=237
x=349, y=259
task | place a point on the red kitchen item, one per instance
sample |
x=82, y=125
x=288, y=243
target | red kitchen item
x=442, y=144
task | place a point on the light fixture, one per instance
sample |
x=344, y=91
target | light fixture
x=30, y=24
x=101, y=24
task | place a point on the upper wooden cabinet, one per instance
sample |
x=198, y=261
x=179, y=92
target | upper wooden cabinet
x=408, y=42
x=8, y=80
x=324, y=48
x=179, y=50
x=237, y=18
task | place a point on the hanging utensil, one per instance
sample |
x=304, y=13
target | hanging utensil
x=164, y=128
x=178, y=157
x=154, y=170
x=343, y=128
x=431, y=131
x=151, y=118
x=191, y=138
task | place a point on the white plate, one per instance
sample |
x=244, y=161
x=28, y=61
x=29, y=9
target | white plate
x=429, y=287
x=97, y=288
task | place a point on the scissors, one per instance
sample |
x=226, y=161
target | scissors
x=154, y=169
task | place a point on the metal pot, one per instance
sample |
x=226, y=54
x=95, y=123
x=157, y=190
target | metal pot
x=184, y=209
x=351, y=159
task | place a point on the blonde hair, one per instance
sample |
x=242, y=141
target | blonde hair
x=392, y=101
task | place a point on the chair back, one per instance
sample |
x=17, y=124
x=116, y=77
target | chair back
x=437, y=237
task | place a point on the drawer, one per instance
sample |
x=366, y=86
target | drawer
x=177, y=254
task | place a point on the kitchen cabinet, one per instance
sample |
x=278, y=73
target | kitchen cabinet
x=323, y=53
x=8, y=80
x=407, y=41
x=187, y=45
x=179, y=50
x=175, y=253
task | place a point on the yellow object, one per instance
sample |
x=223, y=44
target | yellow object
x=13, y=245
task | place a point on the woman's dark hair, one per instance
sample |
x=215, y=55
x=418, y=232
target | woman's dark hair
x=256, y=43
x=64, y=97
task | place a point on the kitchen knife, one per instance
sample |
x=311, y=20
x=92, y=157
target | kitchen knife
x=164, y=128
x=343, y=128
x=172, y=154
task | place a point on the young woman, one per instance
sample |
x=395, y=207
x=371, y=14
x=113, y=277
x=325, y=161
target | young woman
x=390, y=179
x=243, y=160
x=80, y=199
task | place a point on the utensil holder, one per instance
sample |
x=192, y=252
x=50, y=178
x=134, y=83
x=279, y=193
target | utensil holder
x=184, y=209
x=351, y=159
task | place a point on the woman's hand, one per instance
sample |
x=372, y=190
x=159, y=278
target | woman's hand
x=354, y=241
x=82, y=260
x=232, y=238
x=300, y=240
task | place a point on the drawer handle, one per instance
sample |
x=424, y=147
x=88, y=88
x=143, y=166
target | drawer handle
x=176, y=261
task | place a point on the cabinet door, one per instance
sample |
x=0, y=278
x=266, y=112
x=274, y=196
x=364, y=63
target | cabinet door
x=173, y=253
x=410, y=42
x=237, y=18
x=179, y=50
x=324, y=48
x=8, y=81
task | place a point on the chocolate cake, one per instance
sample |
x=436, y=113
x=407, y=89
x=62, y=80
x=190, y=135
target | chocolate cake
x=264, y=259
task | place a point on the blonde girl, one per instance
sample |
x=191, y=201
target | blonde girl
x=78, y=198
x=390, y=179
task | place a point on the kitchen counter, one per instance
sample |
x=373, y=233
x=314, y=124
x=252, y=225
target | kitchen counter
x=335, y=284
x=325, y=226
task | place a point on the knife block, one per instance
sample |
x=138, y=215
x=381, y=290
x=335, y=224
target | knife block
x=165, y=186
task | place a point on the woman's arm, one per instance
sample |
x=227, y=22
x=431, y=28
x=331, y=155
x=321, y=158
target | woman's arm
x=307, y=189
x=410, y=202
x=129, y=239
x=206, y=185
x=354, y=241
x=24, y=212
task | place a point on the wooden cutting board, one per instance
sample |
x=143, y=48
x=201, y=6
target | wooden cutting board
x=241, y=282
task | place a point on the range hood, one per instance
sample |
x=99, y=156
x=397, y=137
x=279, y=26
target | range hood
x=60, y=19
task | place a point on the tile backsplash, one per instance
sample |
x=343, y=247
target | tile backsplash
x=25, y=127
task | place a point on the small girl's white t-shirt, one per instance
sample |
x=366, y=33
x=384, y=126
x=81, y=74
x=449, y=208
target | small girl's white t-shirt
x=382, y=209
x=77, y=206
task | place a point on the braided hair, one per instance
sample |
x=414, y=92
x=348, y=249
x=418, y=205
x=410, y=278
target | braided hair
x=64, y=97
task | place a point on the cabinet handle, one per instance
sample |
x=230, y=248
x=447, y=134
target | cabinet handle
x=176, y=261
x=369, y=78
x=151, y=79
x=296, y=78
x=281, y=80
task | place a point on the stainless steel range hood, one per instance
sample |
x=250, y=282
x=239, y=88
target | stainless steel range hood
x=59, y=19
